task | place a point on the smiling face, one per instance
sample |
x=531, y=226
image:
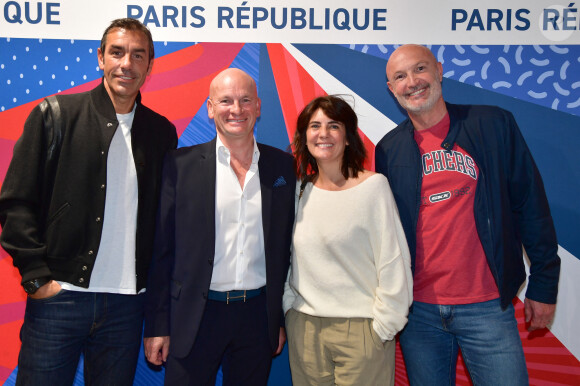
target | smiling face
x=414, y=77
x=234, y=105
x=125, y=63
x=326, y=138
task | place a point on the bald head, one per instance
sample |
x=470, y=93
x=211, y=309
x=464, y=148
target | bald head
x=403, y=53
x=231, y=76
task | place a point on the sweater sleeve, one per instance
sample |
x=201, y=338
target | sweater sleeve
x=394, y=293
x=289, y=292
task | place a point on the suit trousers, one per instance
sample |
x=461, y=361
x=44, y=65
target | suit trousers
x=338, y=351
x=233, y=335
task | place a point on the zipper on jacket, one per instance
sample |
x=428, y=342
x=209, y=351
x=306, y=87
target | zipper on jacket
x=417, y=197
x=481, y=185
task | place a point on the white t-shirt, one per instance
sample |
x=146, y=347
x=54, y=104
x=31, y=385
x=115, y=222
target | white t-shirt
x=114, y=270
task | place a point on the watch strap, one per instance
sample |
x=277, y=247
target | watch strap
x=31, y=286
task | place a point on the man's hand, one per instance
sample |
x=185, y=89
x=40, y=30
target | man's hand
x=49, y=289
x=281, y=341
x=156, y=349
x=538, y=315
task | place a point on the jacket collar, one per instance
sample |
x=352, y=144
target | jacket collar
x=455, y=123
x=456, y=117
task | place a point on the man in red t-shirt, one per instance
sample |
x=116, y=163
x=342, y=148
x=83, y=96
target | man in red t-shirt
x=469, y=195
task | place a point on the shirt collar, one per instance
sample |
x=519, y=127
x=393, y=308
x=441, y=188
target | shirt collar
x=223, y=153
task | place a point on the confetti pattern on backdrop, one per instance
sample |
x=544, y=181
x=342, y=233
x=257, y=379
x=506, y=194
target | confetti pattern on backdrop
x=544, y=75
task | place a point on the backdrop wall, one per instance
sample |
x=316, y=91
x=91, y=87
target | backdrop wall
x=525, y=58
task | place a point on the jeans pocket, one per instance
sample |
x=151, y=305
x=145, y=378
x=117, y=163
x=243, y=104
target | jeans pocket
x=47, y=299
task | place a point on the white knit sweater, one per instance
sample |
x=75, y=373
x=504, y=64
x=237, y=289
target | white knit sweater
x=350, y=257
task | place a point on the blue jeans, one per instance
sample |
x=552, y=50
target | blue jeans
x=487, y=336
x=106, y=328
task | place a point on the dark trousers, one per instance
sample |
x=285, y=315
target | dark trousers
x=234, y=336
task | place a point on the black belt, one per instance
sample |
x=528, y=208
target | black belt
x=234, y=296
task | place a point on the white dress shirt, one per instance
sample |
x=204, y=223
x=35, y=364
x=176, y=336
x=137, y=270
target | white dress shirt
x=240, y=260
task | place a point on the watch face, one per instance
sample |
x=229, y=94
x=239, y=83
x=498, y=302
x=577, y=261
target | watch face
x=30, y=287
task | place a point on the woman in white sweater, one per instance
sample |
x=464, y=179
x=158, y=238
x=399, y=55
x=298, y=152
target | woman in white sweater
x=350, y=286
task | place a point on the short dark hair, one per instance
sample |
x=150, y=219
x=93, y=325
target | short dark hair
x=129, y=25
x=334, y=107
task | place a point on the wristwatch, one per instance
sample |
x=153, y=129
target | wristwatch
x=31, y=286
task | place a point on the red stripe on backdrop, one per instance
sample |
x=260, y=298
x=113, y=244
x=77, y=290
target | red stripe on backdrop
x=10, y=335
x=179, y=84
x=12, y=303
x=548, y=360
x=6, y=146
x=177, y=59
x=12, y=312
x=13, y=120
x=369, y=163
x=11, y=292
x=295, y=86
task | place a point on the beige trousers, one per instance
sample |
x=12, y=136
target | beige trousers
x=337, y=351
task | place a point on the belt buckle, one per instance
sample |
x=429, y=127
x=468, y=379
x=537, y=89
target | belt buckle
x=234, y=297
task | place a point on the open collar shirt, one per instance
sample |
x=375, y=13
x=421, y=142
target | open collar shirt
x=239, y=261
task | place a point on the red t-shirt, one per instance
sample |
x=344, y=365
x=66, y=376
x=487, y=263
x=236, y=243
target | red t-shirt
x=450, y=265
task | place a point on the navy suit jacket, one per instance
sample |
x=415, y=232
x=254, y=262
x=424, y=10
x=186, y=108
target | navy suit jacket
x=184, y=244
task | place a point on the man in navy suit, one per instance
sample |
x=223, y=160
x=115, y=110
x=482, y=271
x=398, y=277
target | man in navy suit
x=222, y=249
